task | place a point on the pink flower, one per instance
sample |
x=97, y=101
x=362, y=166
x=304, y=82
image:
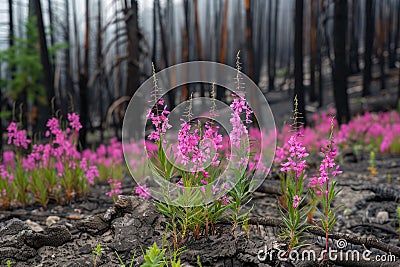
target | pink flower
x=239, y=131
x=224, y=199
x=327, y=167
x=296, y=201
x=18, y=138
x=143, y=191
x=281, y=153
x=92, y=173
x=115, y=188
x=188, y=145
x=53, y=126
x=160, y=122
x=28, y=163
x=12, y=131
x=6, y=175
x=296, y=152
x=9, y=159
x=74, y=121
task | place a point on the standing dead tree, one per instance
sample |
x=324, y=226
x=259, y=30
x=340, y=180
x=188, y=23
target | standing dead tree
x=298, y=62
x=339, y=73
x=368, y=43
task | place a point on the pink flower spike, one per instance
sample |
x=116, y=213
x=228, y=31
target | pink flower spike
x=296, y=201
x=143, y=191
x=73, y=119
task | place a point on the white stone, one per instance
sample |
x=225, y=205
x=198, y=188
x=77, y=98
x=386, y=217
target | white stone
x=382, y=216
x=34, y=226
x=52, y=220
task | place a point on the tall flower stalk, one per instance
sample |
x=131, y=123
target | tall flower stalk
x=324, y=188
x=293, y=168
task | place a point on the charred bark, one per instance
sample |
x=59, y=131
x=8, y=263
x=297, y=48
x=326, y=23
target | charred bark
x=44, y=52
x=368, y=43
x=340, y=67
x=298, y=63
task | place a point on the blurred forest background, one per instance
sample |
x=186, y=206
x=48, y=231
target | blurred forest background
x=90, y=56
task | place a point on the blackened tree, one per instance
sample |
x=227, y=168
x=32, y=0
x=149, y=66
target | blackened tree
x=298, y=62
x=369, y=40
x=340, y=68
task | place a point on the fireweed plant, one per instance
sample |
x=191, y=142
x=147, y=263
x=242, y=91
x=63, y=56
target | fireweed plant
x=38, y=172
x=321, y=189
x=199, y=141
x=292, y=157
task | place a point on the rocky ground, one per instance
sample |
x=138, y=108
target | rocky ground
x=67, y=235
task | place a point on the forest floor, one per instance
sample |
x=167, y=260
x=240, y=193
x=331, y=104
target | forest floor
x=66, y=235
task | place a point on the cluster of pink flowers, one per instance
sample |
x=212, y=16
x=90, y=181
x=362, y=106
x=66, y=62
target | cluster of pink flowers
x=211, y=133
x=74, y=122
x=296, y=201
x=9, y=159
x=239, y=130
x=107, y=155
x=115, y=188
x=58, y=157
x=143, y=191
x=296, y=156
x=381, y=131
x=6, y=175
x=61, y=151
x=197, y=149
x=327, y=167
x=17, y=137
x=188, y=145
x=160, y=121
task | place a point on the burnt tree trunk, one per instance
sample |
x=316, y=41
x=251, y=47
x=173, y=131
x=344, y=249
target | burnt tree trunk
x=83, y=82
x=52, y=38
x=397, y=34
x=198, y=40
x=48, y=77
x=249, y=39
x=319, y=58
x=132, y=28
x=68, y=78
x=224, y=43
x=381, y=45
x=171, y=94
x=340, y=68
x=298, y=63
x=185, y=46
x=368, y=43
x=313, y=55
x=44, y=53
x=353, y=39
x=269, y=50
x=101, y=75
x=154, y=53
x=391, y=29
x=274, y=47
